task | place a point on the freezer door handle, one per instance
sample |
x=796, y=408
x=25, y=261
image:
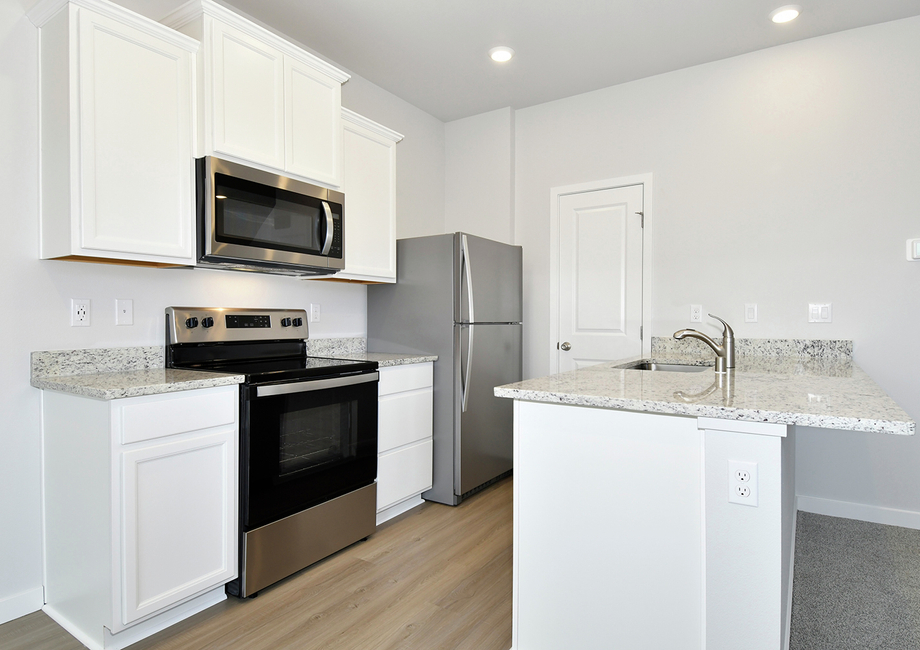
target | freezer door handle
x=465, y=386
x=465, y=254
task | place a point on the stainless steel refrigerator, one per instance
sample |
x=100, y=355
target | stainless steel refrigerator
x=458, y=296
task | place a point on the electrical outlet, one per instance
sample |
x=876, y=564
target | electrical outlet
x=742, y=483
x=696, y=313
x=79, y=312
x=124, y=312
x=314, y=313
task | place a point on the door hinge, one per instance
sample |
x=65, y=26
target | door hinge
x=642, y=215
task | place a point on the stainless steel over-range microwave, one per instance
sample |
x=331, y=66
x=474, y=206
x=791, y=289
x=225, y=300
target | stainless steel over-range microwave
x=253, y=220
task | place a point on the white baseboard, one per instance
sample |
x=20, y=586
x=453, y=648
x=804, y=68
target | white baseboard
x=859, y=511
x=12, y=607
x=399, y=508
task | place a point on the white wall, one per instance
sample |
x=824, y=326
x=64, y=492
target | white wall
x=479, y=175
x=36, y=293
x=419, y=156
x=781, y=177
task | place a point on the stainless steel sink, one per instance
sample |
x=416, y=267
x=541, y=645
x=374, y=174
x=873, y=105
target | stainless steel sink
x=667, y=367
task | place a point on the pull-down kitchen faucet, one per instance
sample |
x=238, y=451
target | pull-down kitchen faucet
x=725, y=353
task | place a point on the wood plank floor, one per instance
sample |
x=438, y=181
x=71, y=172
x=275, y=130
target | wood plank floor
x=434, y=578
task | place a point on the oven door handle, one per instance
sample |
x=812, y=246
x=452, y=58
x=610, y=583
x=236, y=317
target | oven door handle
x=315, y=384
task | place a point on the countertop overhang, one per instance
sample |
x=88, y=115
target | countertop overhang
x=815, y=392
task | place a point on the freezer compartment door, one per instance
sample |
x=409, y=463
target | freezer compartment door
x=489, y=356
x=488, y=281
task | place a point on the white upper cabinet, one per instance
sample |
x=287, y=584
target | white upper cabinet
x=262, y=100
x=370, y=200
x=247, y=87
x=117, y=133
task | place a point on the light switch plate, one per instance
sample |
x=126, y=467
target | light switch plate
x=913, y=250
x=750, y=312
x=124, y=312
x=820, y=312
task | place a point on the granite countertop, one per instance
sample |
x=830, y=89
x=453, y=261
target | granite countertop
x=112, y=373
x=388, y=359
x=809, y=390
x=133, y=383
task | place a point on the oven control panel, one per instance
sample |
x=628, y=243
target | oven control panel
x=215, y=325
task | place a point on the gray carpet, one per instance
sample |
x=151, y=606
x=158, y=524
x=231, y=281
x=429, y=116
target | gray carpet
x=857, y=585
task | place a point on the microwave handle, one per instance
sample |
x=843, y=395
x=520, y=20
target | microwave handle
x=330, y=226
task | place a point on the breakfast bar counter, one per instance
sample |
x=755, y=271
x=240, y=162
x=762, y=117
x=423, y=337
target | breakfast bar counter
x=656, y=508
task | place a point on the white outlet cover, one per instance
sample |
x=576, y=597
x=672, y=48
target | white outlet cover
x=314, y=313
x=742, y=474
x=696, y=313
x=80, y=312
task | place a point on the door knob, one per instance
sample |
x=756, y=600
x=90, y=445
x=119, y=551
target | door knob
x=566, y=346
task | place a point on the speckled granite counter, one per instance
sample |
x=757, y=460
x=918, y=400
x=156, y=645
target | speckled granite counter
x=112, y=373
x=817, y=388
x=355, y=349
x=387, y=359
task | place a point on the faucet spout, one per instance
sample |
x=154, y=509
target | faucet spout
x=725, y=353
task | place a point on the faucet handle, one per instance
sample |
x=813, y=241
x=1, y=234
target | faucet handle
x=727, y=332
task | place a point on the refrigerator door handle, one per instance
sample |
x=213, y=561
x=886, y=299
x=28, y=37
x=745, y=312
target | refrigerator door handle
x=465, y=253
x=465, y=388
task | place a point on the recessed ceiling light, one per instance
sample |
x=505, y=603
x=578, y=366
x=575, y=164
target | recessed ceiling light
x=501, y=53
x=785, y=14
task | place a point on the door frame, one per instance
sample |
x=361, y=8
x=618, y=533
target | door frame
x=556, y=194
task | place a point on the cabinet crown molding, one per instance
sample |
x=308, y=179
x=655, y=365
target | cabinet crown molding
x=379, y=129
x=45, y=10
x=195, y=8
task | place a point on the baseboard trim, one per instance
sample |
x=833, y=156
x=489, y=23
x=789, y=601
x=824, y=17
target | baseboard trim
x=17, y=605
x=397, y=509
x=859, y=511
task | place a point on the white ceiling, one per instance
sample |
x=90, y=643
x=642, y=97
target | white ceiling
x=434, y=53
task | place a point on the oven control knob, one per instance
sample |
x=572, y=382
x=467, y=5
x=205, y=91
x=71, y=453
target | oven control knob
x=285, y=322
x=207, y=322
x=191, y=323
x=298, y=322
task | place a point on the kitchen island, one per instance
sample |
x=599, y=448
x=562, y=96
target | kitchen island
x=656, y=509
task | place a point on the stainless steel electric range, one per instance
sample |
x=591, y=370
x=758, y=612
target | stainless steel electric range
x=308, y=436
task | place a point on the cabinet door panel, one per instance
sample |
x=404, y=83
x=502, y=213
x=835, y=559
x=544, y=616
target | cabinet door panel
x=370, y=213
x=395, y=379
x=136, y=141
x=158, y=416
x=248, y=88
x=404, y=418
x=178, y=521
x=403, y=473
x=313, y=123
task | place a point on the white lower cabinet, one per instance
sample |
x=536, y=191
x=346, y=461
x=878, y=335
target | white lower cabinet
x=404, y=461
x=141, y=503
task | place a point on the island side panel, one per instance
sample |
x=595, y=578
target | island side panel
x=608, y=529
x=747, y=547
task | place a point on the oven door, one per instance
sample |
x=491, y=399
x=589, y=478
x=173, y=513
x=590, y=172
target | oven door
x=304, y=443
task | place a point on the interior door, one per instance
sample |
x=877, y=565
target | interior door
x=600, y=276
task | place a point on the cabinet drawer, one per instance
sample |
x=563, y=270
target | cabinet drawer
x=157, y=416
x=403, y=473
x=403, y=418
x=400, y=378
